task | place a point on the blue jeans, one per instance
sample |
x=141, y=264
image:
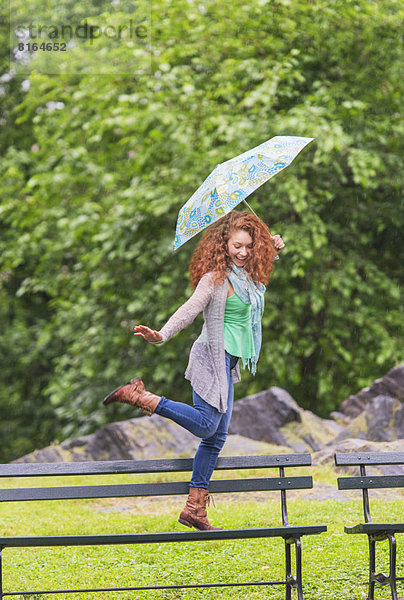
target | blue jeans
x=206, y=422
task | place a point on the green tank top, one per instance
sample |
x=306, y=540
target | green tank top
x=238, y=338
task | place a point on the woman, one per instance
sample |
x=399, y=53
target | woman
x=228, y=270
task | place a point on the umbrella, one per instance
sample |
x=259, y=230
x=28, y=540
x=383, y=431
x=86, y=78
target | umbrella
x=232, y=181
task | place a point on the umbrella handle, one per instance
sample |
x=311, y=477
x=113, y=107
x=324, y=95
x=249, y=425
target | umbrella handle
x=246, y=203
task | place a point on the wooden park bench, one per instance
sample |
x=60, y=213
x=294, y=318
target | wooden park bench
x=376, y=532
x=291, y=534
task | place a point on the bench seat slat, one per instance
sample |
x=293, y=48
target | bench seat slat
x=375, y=528
x=369, y=481
x=152, y=489
x=149, y=466
x=150, y=538
x=368, y=458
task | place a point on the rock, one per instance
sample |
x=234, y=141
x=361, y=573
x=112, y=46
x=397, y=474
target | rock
x=382, y=420
x=326, y=455
x=399, y=422
x=339, y=417
x=392, y=385
x=268, y=422
x=275, y=417
x=354, y=405
x=140, y=438
x=261, y=415
x=312, y=433
x=237, y=445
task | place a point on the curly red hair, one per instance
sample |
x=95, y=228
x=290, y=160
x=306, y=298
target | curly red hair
x=211, y=254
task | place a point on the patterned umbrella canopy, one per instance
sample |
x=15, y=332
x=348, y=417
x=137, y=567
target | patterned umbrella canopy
x=232, y=181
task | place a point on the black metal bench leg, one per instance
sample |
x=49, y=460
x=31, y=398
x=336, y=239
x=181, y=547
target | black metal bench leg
x=382, y=578
x=298, y=547
x=372, y=567
x=288, y=568
x=291, y=580
x=393, y=560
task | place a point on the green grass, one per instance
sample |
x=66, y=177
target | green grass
x=334, y=564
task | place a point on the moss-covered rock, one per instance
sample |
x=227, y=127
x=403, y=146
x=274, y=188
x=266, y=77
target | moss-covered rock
x=326, y=455
x=143, y=438
x=311, y=432
x=268, y=422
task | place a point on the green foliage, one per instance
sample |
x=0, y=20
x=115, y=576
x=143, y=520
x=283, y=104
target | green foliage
x=96, y=167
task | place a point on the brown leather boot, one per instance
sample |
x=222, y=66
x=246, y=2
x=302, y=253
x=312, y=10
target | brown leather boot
x=134, y=393
x=194, y=513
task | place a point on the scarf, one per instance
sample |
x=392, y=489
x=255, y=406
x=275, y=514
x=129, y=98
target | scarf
x=253, y=294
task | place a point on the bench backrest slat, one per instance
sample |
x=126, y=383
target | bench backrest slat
x=369, y=482
x=149, y=466
x=368, y=458
x=366, y=482
x=153, y=489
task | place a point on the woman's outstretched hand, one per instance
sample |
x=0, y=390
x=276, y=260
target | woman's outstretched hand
x=150, y=335
x=278, y=242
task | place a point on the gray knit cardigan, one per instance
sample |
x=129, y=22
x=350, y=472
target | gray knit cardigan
x=206, y=367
